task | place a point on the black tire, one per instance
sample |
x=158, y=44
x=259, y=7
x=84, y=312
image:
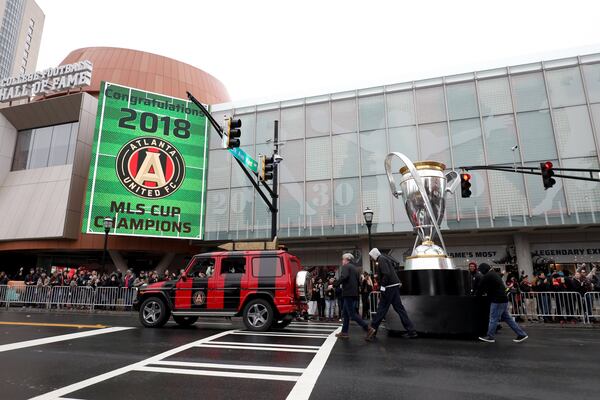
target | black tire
x=258, y=315
x=280, y=325
x=154, y=312
x=185, y=320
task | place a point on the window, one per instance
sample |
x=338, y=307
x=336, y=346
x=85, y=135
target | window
x=430, y=105
x=565, y=87
x=267, y=267
x=233, y=265
x=202, y=268
x=462, y=101
x=45, y=147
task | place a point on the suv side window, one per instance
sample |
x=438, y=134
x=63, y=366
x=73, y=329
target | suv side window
x=267, y=267
x=202, y=268
x=233, y=265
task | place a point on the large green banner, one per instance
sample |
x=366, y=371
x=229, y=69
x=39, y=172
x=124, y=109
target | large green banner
x=148, y=166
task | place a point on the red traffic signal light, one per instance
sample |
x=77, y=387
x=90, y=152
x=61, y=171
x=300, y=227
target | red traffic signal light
x=465, y=185
x=547, y=174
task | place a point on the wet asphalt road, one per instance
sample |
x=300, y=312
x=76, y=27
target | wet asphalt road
x=110, y=356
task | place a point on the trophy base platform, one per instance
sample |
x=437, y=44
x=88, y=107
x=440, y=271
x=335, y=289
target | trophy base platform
x=438, y=304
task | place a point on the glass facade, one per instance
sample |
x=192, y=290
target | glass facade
x=45, y=147
x=9, y=32
x=334, y=145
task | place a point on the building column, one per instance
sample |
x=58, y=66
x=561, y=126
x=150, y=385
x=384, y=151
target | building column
x=118, y=260
x=523, y=253
x=164, y=263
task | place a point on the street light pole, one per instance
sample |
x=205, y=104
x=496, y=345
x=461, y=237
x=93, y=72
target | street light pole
x=107, y=226
x=368, y=214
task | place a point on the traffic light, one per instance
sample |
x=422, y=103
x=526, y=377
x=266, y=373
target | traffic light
x=232, y=133
x=465, y=185
x=266, y=166
x=547, y=174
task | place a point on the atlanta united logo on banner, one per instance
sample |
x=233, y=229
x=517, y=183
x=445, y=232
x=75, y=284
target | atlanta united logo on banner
x=148, y=168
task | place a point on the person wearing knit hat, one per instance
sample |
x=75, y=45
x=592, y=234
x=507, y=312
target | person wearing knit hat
x=492, y=285
x=390, y=295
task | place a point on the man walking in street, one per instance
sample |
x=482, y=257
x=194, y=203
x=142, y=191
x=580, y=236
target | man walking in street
x=350, y=281
x=492, y=285
x=390, y=296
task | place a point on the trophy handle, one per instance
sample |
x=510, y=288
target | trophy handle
x=388, y=170
x=415, y=174
x=452, y=181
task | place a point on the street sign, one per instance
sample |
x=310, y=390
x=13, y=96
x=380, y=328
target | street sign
x=245, y=158
x=148, y=168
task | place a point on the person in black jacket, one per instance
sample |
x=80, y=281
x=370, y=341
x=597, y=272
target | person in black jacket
x=492, y=285
x=390, y=295
x=475, y=277
x=350, y=281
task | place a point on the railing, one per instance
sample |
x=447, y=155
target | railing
x=546, y=306
x=543, y=306
x=374, y=301
x=68, y=297
x=591, y=301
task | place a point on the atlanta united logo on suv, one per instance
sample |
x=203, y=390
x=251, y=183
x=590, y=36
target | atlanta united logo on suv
x=150, y=167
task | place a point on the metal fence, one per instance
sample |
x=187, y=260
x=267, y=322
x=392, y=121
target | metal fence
x=67, y=297
x=544, y=306
x=591, y=300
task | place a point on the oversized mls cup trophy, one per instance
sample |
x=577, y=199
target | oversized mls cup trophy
x=423, y=186
x=435, y=293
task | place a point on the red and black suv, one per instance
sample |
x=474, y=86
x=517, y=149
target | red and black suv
x=266, y=288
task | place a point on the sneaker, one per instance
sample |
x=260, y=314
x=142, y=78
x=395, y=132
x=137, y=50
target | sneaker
x=342, y=335
x=370, y=334
x=412, y=335
x=488, y=339
x=519, y=338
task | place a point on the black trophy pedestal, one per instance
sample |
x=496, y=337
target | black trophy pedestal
x=438, y=304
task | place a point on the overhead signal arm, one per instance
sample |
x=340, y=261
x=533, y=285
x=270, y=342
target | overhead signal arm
x=248, y=173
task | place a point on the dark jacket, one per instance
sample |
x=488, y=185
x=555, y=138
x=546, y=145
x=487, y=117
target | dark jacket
x=350, y=280
x=492, y=285
x=475, y=281
x=387, y=272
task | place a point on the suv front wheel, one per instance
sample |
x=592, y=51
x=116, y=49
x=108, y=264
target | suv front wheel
x=258, y=315
x=154, y=313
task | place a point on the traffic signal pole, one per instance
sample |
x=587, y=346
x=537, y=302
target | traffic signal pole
x=272, y=204
x=275, y=188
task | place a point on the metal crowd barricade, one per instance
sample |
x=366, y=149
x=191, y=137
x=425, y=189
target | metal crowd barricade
x=115, y=297
x=591, y=302
x=67, y=297
x=28, y=295
x=547, y=305
x=374, y=301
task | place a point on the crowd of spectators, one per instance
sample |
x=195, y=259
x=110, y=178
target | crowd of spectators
x=87, y=277
x=325, y=304
x=549, y=285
